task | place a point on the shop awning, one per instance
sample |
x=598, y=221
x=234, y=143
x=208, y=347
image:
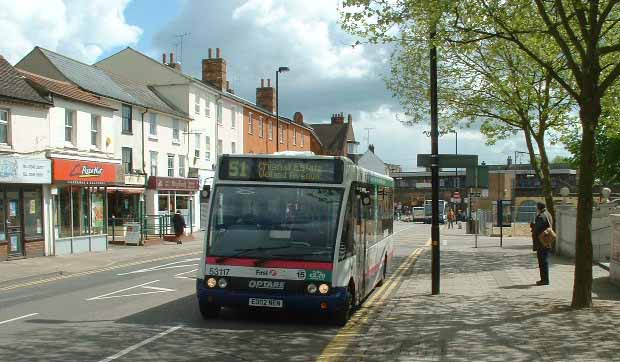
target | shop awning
x=126, y=190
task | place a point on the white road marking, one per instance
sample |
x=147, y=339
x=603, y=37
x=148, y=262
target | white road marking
x=18, y=318
x=173, y=265
x=138, y=345
x=181, y=275
x=143, y=286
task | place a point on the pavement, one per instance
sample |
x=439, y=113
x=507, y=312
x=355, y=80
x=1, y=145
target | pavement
x=27, y=270
x=489, y=309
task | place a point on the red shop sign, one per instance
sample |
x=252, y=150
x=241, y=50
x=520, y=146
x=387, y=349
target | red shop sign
x=85, y=172
x=173, y=183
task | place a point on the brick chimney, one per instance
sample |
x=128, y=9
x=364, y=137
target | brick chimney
x=214, y=70
x=298, y=118
x=172, y=64
x=338, y=118
x=266, y=96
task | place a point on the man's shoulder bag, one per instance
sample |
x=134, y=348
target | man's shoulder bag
x=547, y=237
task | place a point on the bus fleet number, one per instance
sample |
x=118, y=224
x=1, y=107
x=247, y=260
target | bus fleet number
x=219, y=271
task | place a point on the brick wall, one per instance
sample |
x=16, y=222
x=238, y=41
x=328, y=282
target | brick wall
x=254, y=143
x=35, y=248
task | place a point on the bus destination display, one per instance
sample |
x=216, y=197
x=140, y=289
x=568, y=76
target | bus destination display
x=281, y=170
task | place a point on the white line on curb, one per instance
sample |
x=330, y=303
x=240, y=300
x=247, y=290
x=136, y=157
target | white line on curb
x=138, y=345
x=18, y=318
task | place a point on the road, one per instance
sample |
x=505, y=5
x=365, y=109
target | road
x=149, y=312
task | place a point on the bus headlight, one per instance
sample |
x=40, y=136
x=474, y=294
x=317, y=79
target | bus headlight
x=311, y=288
x=222, y=283
x=323, y=288
x=211, y=282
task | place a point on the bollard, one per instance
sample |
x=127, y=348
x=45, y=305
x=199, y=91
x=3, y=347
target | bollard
x=113, y=224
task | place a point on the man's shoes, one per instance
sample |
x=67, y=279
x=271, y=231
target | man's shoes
x=540, y=282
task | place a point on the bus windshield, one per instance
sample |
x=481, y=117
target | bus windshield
x=274, y=222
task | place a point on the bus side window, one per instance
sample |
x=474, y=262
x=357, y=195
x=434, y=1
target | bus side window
x=347, y=244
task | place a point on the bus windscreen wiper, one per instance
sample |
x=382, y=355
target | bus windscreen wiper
x=245, y=251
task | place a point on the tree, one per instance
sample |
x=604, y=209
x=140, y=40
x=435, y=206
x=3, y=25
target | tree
x=577, y=42
x=489, y=85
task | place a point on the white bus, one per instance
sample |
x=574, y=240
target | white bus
x=305, y=233
x=428, y=211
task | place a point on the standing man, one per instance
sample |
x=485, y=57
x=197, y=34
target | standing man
x=541, y=223
x=178, y=223
x=450, y=219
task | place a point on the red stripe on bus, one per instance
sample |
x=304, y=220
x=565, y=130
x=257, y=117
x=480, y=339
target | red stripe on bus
x=285, y=264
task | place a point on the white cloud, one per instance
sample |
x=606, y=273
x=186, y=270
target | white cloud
x=79, y=29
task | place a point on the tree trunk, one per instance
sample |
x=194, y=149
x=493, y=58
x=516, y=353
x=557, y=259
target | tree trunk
x=589, y=113
x=546, y=176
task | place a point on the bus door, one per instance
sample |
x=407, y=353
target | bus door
x=360, y=243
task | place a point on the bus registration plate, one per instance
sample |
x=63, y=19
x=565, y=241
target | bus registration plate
x=271, y=303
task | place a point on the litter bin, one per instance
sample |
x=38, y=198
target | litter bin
x=132, y=236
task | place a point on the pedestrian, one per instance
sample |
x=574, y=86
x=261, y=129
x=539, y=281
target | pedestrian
x=450, y=219
x=178, y=222
x=542, y=222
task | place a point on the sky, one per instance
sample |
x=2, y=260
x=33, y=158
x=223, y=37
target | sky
x=327, y=74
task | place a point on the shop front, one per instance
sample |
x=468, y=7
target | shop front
x=80, y=203
x=166, y=195
x=23, y=183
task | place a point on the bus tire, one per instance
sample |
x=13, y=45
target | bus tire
x=342, y=316
x=209, y=310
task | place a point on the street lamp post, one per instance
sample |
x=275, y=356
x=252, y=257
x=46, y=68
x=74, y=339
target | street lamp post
x=435, y=266
x=280, y=70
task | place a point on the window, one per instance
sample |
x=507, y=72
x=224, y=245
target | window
x=127, y=126
x=281, y=134
x=4, y=126
x=175, y=131
x=219, y=113
x=81, y=211
x=69, y=125
x=294, y=136
x=208, y=107
x=153, y=163
x=270, y=130
x=233, y=148
x=94, y=130
x=220, y=147
x=233, y=117
x=261, y=128
x=170, y=165
x=197, y=146
x=153, y=124
x=302, y=137
x=207, y=148
x=33, y=213
x=127, y=160
x=197, y=105
x=181, y=166
x=250, y=123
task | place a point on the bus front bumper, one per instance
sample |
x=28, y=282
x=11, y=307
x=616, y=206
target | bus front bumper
x=332, y=302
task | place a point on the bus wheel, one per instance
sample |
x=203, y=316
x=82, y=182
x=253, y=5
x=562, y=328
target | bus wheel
x=209, y=310
x=343, y=315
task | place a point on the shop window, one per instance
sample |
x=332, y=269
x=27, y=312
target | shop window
x=170, y=165
x=181, y=166
x=153, y=162
x=197, y=146
x=95, y=131
x=64, y=212
x=207, y=148
x=70, y=126
x=127, y=159
x=4, y=126
x=176, y=131
x=80, y=211
x=153, y=124
x=33, y=214
x=127, y=116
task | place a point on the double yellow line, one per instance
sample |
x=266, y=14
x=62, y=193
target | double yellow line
x=337, y=347
x=94, y=271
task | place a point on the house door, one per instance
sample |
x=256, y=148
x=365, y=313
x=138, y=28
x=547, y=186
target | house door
x=14, y=223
